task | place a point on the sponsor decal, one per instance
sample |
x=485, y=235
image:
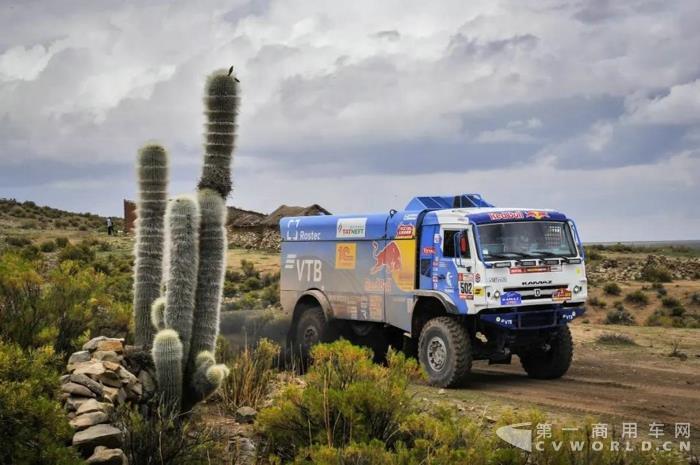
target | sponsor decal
x=479, y=291
x=429, y=250
x=537, y=214
x=466, y=286
x=349, y=228
x=435, y=279
x=294, y=233
x=561, y=294
x=436, y=261
x=477, y=277
x=436, y=238
x=309, y=270
x=405, y=231
x=536, y=283
x=530, y=269
x=345, y=255
x=377, y=285
x=389, y=257
x=497, y=279
x=512, y=215
x=290, y=261
x=410, y=216
x=511, y=298
x=504, y=321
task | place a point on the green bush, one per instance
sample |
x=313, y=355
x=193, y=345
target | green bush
x=695, y=298
x=251, y=283
x=619, y=316
x=248, y=268
x=79, y=253
x=34, y=429
x=616, y=339
x=30, y=252
x=637, y=298
x=347, y=398
x=166, y=438
x=612, y=289
x=15, y=241
x=655, y=273
x=596, y=302
x=670, y=302
x=47, y=246
x=251, y=375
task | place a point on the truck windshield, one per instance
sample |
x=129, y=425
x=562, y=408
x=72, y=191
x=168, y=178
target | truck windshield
x=527, y=239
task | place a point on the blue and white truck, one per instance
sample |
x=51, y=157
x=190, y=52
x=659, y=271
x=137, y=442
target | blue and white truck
x=450, y=277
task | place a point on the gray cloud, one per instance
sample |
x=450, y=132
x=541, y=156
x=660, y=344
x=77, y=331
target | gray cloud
x=388, y=92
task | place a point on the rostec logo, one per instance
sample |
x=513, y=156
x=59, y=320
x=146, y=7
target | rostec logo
x=520, y=438
x=309, y=270
x=295, y=234
x=351, y=228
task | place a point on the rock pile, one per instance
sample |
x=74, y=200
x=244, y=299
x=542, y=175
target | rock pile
x=102, y=376
x=630, y=269
x=264, y=239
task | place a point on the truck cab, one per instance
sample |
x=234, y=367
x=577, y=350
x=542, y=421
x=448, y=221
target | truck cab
x=451, y=278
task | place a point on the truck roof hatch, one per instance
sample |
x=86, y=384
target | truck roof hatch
x=447, y=201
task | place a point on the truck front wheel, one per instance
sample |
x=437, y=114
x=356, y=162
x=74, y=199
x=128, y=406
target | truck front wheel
x=553, y=359
x=311, y=328
x=444, y=351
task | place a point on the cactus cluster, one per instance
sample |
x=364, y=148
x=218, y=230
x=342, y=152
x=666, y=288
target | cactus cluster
x=180, y=257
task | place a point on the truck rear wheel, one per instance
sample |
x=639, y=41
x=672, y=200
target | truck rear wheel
x=553, y=361
x=310, y=329
x=444, y=351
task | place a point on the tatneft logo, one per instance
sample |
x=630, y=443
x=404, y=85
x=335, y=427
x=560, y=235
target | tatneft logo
x=351, y=228
x=601, y=438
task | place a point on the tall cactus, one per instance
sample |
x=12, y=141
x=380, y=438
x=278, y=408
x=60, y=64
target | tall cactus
x=187, y=317
x=152, y=170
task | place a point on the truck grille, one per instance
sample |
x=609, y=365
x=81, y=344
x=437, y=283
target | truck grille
x=531, y=292
x=537, y=319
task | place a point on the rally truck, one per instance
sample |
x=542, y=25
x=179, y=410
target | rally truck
x=451, y=278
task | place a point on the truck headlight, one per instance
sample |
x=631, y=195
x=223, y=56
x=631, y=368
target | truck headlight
x=497, y=294
x=577, y=289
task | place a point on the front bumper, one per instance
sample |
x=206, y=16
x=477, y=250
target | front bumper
x=533, y=319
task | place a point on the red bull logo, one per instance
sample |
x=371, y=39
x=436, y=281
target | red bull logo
x=537, y=214
x=389, y=257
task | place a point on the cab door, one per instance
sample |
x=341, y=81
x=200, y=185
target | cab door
x=455, y=273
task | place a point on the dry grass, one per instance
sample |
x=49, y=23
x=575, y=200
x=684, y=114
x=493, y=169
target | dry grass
x=252, y=373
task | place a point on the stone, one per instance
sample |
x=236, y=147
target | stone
x=110, y=393
x=111, y=366
x=98, y=435
x=110, y=344
x=93, y=368
x=245, y=449
x=78, y=357
x=92, y=405
x=74, y=403
x=134, y=391
x=88, y=382
x=104, y=456
x=110, y=378
x=75, y=389
x=86, y=420
x=127, y=376
x=92, y=343
x=107, y=355
x=147, y=381
x=246, y=414
x=64, y=379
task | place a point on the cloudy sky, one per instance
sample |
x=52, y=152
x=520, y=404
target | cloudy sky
x=590, y=107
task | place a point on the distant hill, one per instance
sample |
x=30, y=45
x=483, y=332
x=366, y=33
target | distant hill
x=29, y=215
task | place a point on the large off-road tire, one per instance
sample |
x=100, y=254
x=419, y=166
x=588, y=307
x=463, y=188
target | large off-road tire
x=444, y=350
x=310, y=329
x=552, y=363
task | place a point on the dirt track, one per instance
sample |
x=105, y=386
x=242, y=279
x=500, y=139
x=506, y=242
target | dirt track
x=640, y=383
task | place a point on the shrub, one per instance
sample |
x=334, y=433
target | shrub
x=15, y=241
x=28, y=225
x=230, y=289
x=347, y=398
x=248, y=268
x=619, y=316
x=233, y=276
x=592, y=253
x=616, y=339
x=30, y=252
x=82, y=227
x=612, y=289
x=252, y=283
x=637, y=298
x=166, y=438
x=695, y=298
x=596, y=302
x=79, y=253
x=33, y=427
x=251, y=376
x=47, y=246
x=670, y=302
x=655, y=273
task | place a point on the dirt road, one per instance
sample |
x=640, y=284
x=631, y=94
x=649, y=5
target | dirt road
x=625, y=383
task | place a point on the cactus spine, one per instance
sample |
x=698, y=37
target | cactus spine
x=187, y=317
x=152, y=170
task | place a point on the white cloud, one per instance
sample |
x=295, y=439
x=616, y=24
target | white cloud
x=680, y=106
x=498, y=136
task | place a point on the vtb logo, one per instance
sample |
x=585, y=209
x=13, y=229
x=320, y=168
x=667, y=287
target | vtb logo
x=309, y=270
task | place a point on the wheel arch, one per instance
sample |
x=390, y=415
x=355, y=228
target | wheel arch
x=309, y=299
x=430, y=304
